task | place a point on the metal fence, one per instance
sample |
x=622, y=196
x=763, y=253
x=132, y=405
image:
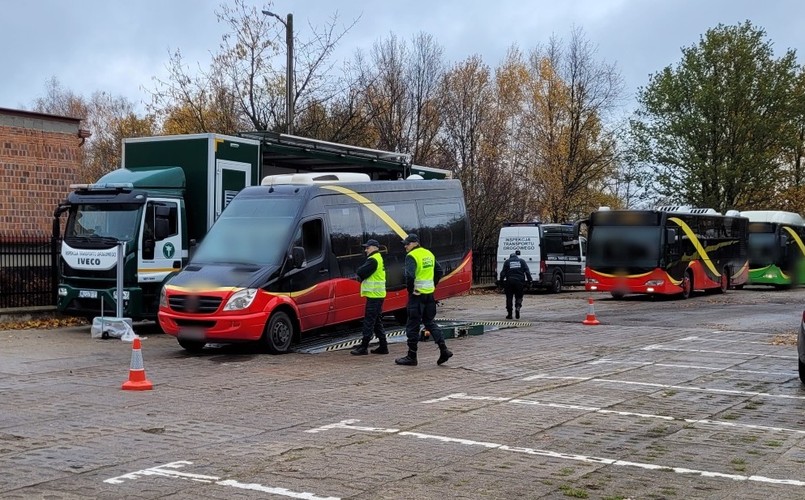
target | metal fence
x=28, y=276
x=27, y=271
x=484, y=266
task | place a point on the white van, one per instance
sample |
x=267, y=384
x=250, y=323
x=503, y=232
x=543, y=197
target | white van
x=554, y=257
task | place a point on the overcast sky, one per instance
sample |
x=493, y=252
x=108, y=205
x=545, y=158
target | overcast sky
x=119, y=46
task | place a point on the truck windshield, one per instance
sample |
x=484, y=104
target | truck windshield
x=252, y=231
x=120, y=222
x=623, y=246
x=763, y=249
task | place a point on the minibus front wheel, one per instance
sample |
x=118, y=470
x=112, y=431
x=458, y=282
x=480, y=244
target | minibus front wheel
x=278, y=334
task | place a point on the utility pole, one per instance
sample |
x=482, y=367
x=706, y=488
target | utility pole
x=288, y=23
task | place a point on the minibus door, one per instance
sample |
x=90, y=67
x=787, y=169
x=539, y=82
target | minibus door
x=312, y=288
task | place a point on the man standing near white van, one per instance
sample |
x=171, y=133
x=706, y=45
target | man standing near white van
x=515, y=275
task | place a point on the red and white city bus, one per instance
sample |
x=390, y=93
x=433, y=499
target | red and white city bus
x=668, y=251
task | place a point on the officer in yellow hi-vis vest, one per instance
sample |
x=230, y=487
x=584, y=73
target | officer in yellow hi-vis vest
x=372, y=274
x=422, y=274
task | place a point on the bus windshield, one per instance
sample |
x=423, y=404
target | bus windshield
x=624, y=246
x=762, y=249
x=251, y=231
x=120, y=222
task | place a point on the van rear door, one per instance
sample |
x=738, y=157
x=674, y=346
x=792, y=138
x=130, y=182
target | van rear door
x=524, y=237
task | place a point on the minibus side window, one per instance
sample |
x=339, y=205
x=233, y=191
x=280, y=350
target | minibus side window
x=311, y=237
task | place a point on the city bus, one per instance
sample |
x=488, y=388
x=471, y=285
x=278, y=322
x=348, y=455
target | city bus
x=666, y=251
x=776, y=248
x=280, y=261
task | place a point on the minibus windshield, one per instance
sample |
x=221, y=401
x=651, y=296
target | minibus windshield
x=251, y=231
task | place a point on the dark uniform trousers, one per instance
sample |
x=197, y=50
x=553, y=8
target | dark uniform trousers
x=514, y=289
x=421, y=310
x=373, y=319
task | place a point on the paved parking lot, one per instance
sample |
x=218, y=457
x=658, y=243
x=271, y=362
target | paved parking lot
x=663, y=399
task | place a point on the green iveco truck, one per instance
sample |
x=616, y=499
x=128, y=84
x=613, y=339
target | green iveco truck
x=166, y=196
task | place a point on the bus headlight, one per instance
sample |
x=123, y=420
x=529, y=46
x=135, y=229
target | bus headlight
x=655, y=282
x=163, y=298
x=241, y=299
x=592, y=281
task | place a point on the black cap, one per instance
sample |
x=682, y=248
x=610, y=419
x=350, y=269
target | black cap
x=371, y=243
x=517, y=252
x=411, y=238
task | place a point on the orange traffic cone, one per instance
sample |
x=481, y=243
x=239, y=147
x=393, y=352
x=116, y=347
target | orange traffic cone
x=591, y=320
x=137, y=380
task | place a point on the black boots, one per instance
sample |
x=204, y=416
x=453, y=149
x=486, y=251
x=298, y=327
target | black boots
x=408, y=360
x=516, y=313
x=361, y=349
x=382, y=348
x=508, y=314
x=444, y=354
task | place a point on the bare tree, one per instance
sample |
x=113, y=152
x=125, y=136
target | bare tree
x=471, y=141
x=108, y=118
x=573, y=152
x=401, y=85
x=243, y=89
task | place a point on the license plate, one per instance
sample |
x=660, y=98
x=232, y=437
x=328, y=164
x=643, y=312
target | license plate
x=88, y=294
x=192, y=333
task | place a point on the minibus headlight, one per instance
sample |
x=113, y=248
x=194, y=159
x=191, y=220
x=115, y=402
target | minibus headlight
x=655, y=282
x=592, y=281
x=163, y=298
x=241, y=299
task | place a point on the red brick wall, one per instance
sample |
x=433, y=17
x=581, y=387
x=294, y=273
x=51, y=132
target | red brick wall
x=38, y=162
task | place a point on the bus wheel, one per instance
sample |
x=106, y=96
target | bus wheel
x=724, y=283
x=279, y=333
x=687, y=285
x=556, y=283
x=194, y=346
x=617, y=295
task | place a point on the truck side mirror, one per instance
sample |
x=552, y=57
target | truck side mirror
x=297, y=256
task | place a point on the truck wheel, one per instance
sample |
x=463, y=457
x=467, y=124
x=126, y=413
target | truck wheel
x=194, y=346
x=556, y=283
x=279, y=333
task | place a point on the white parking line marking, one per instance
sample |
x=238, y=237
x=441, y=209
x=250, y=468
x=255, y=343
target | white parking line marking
x=346, y=424
x=657, y=347
x=593, y=409
x=721, y=340
x=693, y=367
x=168, y=470
x=664, y=386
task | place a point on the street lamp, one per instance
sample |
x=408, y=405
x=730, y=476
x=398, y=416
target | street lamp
x=288, y=23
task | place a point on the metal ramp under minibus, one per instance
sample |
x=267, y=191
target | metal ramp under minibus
x=329, y=341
